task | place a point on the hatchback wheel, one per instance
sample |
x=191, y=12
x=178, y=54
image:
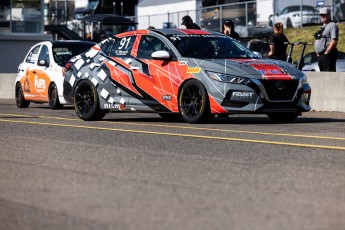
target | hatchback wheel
x=20, y=100
x=86, y=102
x=193, y=102
x=54, y=102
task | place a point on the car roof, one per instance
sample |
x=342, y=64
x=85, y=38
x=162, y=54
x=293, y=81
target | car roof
x=166, y=32
x=72, y=43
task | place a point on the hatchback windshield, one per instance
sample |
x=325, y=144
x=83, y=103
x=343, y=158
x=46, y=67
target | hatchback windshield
x=63, y=52
x=209, y=47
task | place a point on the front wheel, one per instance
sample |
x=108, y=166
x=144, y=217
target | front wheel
x=86, y=102
x=282, y=117
x=54, y=102
x=289, y=23
x=193, y=102
x=20, y=100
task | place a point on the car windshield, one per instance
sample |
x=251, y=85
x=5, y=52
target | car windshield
x=209, y=47
x=63, y=52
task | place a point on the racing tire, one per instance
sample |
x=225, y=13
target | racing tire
x=86, y=102
x=53, y=97
x=283, y=117
x=193, y=103
x=19, y=96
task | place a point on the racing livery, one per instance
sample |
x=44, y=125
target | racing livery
x=40, y=75
x=195, y=74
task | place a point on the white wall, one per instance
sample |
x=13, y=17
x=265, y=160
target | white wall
x=157, y=15
x=264, y=8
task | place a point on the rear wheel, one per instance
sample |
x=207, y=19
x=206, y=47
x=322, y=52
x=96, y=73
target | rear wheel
x=54, y=102
x=20, y=100
x=86, y=102
x=282, y=117
x=193, y=102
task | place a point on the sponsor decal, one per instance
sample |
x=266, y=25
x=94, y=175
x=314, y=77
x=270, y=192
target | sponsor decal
x=114, y=106
x=167, y=97
x=182, y=63
x=237, y=94
x=121, y=52
x=193, y=70
x=40, y=84
x=269, y=71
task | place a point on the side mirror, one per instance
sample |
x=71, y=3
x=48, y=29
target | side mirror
x=257, y=54
x=160, y=54
x=43, y=62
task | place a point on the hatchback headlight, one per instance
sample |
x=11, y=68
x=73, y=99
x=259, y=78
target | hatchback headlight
x=222, y=77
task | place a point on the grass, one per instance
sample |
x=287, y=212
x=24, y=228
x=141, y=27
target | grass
x=306, y=34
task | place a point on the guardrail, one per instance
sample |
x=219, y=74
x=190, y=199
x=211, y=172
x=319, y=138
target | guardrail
x=327, y=90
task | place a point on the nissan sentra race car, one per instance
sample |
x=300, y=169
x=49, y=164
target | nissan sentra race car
x=193, y=74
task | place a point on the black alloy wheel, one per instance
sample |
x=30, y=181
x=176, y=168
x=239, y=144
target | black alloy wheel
x=193, y=102
x=86, y=102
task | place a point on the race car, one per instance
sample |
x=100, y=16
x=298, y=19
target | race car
x=193, y=74
x=40, y=75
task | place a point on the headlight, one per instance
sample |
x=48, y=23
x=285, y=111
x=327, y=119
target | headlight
x=228, y=78
x=304, y=80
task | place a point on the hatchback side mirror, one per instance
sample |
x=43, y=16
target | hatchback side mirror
x=43, y=62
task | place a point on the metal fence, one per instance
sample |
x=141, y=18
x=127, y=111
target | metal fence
x=210, y=18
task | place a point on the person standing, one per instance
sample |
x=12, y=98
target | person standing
x=188, y=23
x=229, y=29
x=326, y=40
x=278, y=43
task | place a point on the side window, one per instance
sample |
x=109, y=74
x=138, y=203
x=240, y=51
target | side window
x=150, y=44
x=107, y=45
x=32, y=57
x=122, y=47
x=44, y=54
x=285, y=11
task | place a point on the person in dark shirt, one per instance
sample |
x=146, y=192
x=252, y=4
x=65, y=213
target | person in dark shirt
x=229, y=29
x=278, y=43
x=188, y=23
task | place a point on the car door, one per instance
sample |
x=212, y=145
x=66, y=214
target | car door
x=42, y=71
x=30, y=81
x=158, y=78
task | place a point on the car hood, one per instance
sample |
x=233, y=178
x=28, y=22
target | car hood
x=251, y=68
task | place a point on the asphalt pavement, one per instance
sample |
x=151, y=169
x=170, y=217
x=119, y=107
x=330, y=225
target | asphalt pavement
x=137, y=171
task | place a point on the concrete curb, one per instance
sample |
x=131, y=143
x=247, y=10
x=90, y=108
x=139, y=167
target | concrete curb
x=328, y=90
x=7, y=81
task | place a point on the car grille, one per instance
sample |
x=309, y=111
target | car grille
x=280, y=90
